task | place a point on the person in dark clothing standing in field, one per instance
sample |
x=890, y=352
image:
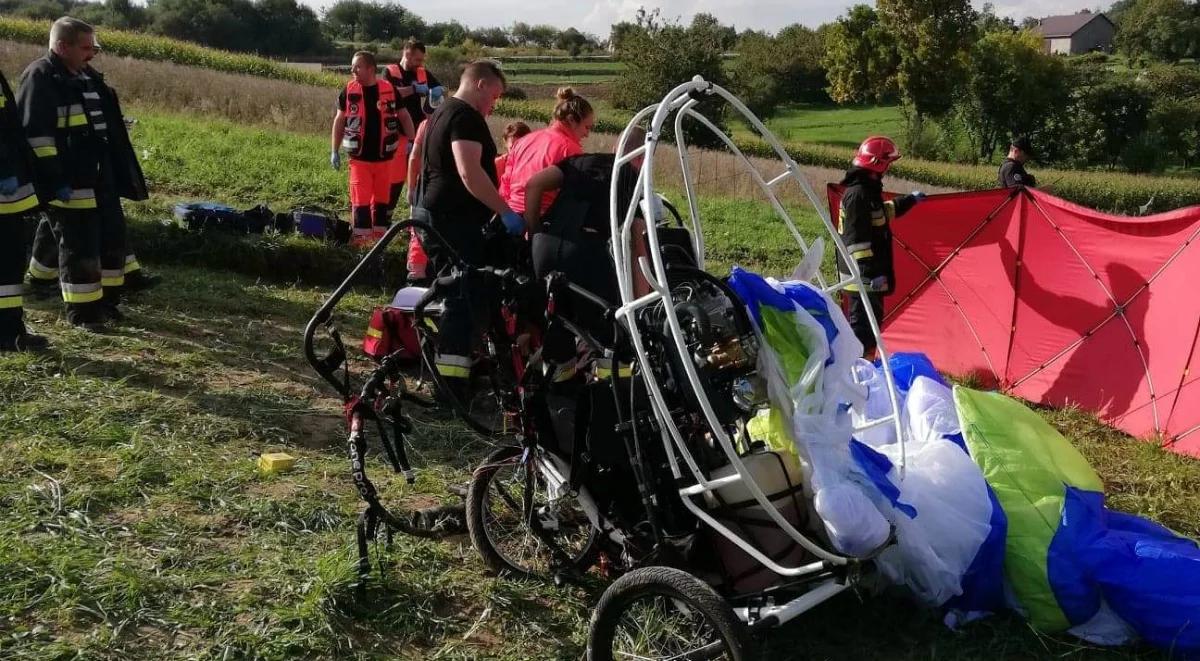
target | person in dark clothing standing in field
x=458, y=196
x=66, y=109
x=1012, y=170
x=17, y=198
x=864, y=224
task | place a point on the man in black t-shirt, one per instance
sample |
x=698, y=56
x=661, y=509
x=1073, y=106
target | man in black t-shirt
x=458, y=197
x=1012, y=170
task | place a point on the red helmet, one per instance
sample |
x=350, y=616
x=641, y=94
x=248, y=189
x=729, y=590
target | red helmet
x=876, y=154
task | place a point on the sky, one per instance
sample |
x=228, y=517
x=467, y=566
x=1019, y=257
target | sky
x=596, y=17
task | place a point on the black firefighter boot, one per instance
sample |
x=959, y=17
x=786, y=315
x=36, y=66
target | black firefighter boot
x=15, y=337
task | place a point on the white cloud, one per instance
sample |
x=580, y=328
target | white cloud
x=596, y=17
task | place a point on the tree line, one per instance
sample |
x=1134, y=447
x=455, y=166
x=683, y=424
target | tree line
x=288, y=28
x=966, y=80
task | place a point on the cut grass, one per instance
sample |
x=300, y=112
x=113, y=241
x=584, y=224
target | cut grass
x=135, y=525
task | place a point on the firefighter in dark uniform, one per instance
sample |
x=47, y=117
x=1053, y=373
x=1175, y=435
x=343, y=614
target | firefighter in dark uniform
x=864, y=223
x=1012, y=170
x=62, y=113
x=120, y=175
x=17, y=198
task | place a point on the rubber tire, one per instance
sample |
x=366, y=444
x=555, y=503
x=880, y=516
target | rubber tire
x=672, y=583
x=476, y=493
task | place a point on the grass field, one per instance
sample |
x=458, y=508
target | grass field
x=134, y=525
x=588, y=66
x=833, y=125
x=520, y=78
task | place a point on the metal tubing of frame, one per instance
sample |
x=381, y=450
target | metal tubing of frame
x=631, y=155
x=710, y=416
x=678, y=99
x=766, y=561
x=619, y=247
x=758, y=179
x=661, y=410
x=791, y=610
x=839, y=245
x=689, y=187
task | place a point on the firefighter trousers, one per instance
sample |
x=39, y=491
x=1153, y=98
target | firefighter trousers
x=118, y=263
x=12, y=274
x=857, y=316
x=67, y=247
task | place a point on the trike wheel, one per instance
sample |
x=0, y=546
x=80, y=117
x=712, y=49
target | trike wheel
x=664, y=613
x=503, y=494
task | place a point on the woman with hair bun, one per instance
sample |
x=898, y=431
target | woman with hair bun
x=572, y=122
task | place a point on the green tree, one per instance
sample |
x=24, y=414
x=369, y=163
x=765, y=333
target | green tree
x=860, y=58
x=723, y=35
x=543, y=36
x=359, y=21
x=228, y=24
x=770, y=71
x=492, y=37
x=573, y=41
x=118, y=14
x=988, y=21
x=1177, y=123
x=450, y=33
x=754, y=74
x=285, y=27
x=1174, y=82
x=1011, y=87
x=619, y=31
x=1166, y=30
x=658, y=56
x=933, y=38
x=1105, y=114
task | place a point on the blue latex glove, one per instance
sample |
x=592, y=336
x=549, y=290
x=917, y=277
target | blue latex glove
x=435, y=93
x=63, y=194
x=9, y=186
x=917, y=196
x=421, y=89
x=335, y=160
x=879, y=283
x=513, y=222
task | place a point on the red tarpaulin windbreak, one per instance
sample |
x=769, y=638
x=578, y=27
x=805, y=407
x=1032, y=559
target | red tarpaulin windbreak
x=1057, y=304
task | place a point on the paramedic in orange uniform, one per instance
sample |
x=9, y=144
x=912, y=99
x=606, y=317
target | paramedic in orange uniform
x=369, y=125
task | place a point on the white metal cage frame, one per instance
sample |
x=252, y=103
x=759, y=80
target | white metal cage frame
x=680, y=103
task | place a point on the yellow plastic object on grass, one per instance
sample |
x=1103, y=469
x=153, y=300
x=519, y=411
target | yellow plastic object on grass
x=275, y=462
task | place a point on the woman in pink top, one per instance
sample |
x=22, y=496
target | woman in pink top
x=573, y=120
